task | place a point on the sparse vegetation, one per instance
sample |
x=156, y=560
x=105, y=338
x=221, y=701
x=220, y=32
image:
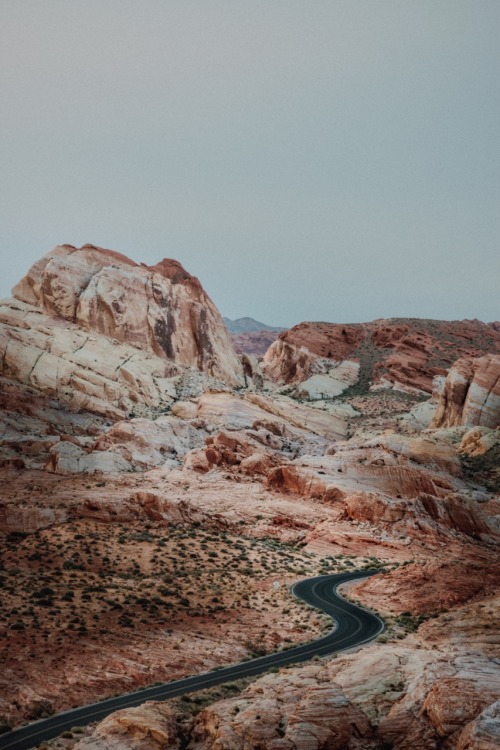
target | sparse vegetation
x=67, y=588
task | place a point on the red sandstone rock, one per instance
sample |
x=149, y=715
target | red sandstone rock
x=406, y=353
x=234, y=450
x=431, y=586
x=440, y=702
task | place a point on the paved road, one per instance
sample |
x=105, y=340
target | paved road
x=354, y=626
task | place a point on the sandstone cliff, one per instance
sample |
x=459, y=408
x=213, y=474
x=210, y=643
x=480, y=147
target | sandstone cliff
x=160, y=309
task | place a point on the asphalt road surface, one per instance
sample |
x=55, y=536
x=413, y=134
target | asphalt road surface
x=353, y=627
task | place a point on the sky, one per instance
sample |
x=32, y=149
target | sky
x=334, y=160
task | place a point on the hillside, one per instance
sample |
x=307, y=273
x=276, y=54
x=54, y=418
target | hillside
x=403, y=353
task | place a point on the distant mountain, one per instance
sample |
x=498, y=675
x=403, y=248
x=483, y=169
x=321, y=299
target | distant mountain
x=248, y=325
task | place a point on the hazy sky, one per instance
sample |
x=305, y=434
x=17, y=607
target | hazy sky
x=308, y=160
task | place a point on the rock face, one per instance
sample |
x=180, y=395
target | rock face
x=279, y=415
x=406, y=353
x=425, y=587
x=471, y=394
x=483, y=733
x=441, y=701
x=160, y=309
x=151, y=726
x=286, y=712
x=479, y=440
x=84, y=370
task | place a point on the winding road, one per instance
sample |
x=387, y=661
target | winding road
x=354, y=626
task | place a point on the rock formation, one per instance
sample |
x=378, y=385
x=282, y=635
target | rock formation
x=404, y=353
x=86, y=370
x=151, y=726
x=159, y=309
x=471, y=394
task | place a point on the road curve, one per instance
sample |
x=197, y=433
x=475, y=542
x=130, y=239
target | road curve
x=353, y=627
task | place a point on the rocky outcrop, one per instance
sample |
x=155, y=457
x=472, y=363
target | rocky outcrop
x=338, y=376
x=151, y=726
x=279, y=415
x=159, y=309
x=350, y=471
x=455, y=512
x=282, y=712
x=483, y=733
x=85, y=371
x=26, y=520
x=404, y=353
x=236, y=451
x=471, y=394
x=434, y=585
x=479, y=440
x=134, y=445
x=434, y=450
x=441, y=702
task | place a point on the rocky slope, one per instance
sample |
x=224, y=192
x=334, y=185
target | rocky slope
x=416, y=693
x=148, y=506
x=405, y=353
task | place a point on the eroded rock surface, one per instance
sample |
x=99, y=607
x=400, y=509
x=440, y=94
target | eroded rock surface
x=160, y=309
x=87, y=371
x=151, y=726
x=403, y=353
x=471, y=394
